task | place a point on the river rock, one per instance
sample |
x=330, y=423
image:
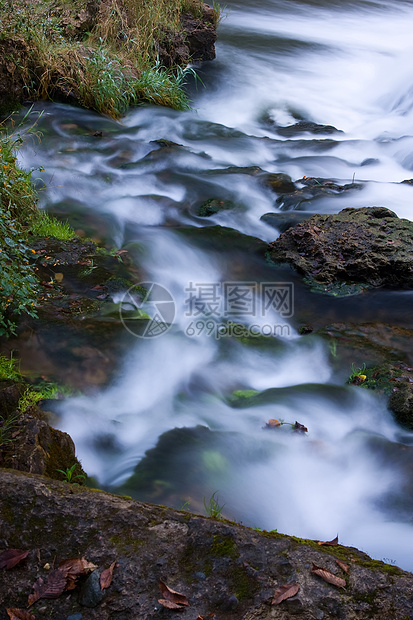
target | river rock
x=243, y=568
x=212, y=206
x=370, y=246
x=302, y=126
x=223, y=238
x=32, y=445
x=284, y=221
x=313, y=189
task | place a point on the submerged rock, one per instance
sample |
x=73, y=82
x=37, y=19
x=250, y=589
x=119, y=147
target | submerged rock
x=300, y=127
x=314, y=188
x=286, y=220
x=223, y=238
x=212, y=206
x=369, y=246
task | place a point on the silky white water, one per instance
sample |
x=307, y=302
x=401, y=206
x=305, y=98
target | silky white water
x=347, y=65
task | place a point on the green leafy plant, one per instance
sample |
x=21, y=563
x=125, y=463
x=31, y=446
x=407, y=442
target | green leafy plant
x=185, y=505
x=18, y=284
x=8, y=424
x=333, y=347
x=69, y=474
x=212, y=507
x=357, y=375
x=28, y=399
x=44, y=225
x=10, y=368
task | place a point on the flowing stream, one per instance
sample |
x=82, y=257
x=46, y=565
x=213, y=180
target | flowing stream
x=345, y=64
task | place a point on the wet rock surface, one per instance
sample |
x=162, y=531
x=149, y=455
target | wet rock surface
x=195, y=41
x=312, y=190
x=302, y=126
x=29, y=444
x=286, y=220
x=79, y=335
x=226, y=571
x=370, y=246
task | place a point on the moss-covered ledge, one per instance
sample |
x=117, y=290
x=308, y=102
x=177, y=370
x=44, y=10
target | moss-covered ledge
x=223, y=568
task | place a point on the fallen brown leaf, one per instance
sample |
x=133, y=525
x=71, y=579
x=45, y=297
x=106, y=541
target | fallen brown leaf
x=172, y=599
x=331, y=543
x=328, y=576
x=12, y=557
x=77, y=566
x=283, y=592
x=74, y=568
x=345, y=567
x=171, y=604
x=273, y=423
x=53, y=587
x=107, y=576
x=19, y=614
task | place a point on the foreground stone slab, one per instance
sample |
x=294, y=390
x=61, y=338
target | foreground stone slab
x=369, y=246
x=225, y=570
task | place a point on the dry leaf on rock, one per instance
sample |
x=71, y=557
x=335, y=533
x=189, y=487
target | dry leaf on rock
x=170, y=604
x=107, y=576
x=12, y=557
x=283, y=592
x=328, y=576
x=53, y=587
x=19, y=614
x=331, y=543
x=75, y=568
x=172, y=599
x=345, y=567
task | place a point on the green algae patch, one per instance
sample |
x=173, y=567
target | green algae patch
x=224, y=546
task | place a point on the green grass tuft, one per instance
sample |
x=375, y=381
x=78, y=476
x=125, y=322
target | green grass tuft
x=44, y=225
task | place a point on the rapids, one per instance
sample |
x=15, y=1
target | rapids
x=346, y=64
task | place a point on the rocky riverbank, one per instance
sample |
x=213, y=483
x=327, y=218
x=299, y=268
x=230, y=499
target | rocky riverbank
x=162, y=561
x=101, y=54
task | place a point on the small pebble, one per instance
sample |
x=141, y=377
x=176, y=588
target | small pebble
x=91, y=594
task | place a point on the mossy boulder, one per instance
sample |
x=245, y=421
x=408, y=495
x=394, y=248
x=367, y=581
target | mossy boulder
x=224, y=239
x=369, y=246
x=224, y=569
x=30, y=444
